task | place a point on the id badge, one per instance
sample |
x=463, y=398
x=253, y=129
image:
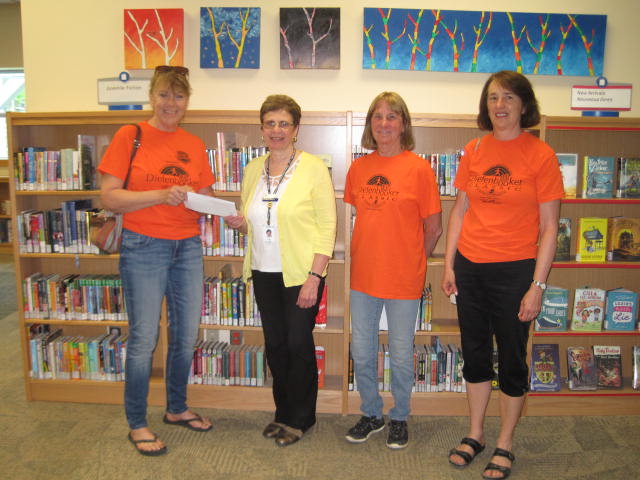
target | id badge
x=269, y=233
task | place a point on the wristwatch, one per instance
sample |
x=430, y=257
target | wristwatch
x=542, y=286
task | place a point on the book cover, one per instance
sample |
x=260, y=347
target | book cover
x=320, y=362
x=554, y=310
x=582, y=369
x=495, y=382
x=628, y=177
x=598, y=177
x=88, y=162
x=321, y=316
x=635, y=352
x=588, y=309
x=563, y=243
x=621, y=310
x=545, y=367
x=592, y=239
x=608, y=361
x=623, y=239
x=569, y=169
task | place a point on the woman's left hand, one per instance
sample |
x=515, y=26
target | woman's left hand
x=530, y=304
x=308, y=293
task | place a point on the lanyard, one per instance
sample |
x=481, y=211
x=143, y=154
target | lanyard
x=271, y=198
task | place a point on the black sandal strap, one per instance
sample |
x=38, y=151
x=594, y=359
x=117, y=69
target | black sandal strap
x=501, y=452
x=466, y=456
x=473, y=443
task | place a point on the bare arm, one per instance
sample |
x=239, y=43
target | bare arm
x=119, y=200
x=432, y=230
x=453, y=233
x=531, y=302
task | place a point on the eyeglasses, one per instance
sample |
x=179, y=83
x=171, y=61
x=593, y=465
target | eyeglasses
x=170, y=68
x=271, y=125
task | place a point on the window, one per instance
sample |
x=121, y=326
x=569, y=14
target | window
x=12, y=99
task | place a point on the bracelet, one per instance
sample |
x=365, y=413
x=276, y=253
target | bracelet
x=315, y=274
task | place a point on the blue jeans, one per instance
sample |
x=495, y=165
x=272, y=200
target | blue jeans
x=152, y=268
x=365, y=322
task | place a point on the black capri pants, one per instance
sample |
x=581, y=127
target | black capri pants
x=488, y=301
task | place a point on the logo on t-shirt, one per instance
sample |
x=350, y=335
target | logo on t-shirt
x=495, y=182
x=378, y=191
x=183, y=156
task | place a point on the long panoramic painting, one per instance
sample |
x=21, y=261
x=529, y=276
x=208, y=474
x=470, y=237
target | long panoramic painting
x=229, y=37
x=483, y=41
x=310, y=38
x=153, y=37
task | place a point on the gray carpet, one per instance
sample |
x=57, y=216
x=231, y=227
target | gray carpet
x=48, y=441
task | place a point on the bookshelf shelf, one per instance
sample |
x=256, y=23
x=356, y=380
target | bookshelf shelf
x=331, y=133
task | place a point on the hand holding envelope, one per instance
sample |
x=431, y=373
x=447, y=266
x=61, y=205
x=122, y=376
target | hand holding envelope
x=207, y=204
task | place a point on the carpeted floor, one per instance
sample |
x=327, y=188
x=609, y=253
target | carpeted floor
x=49, y=441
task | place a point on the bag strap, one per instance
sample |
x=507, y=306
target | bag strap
x=134, y=150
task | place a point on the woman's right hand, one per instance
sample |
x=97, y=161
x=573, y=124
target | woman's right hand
x=234, y=221
x=449, y=282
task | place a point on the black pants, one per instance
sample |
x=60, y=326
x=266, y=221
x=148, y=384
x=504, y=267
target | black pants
x=288, y=335
x=488, y=302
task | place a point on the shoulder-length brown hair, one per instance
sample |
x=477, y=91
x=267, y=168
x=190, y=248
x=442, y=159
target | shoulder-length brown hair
x=518, y=84
x=397, y=105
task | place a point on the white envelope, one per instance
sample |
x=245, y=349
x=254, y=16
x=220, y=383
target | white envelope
x=207, y=204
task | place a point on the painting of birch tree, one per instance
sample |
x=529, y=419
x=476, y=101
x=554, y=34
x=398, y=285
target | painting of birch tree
x=153, y=37
x=229, y=37
x=310, y=38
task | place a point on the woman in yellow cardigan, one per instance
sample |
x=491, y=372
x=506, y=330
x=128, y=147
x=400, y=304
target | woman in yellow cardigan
x=289, y=213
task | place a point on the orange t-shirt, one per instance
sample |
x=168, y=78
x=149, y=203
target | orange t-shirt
x=163, y=159
x=505, y=181
x=392, y=197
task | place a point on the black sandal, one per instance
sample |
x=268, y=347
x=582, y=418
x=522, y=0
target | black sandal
x=506, y=471
x=466, y=456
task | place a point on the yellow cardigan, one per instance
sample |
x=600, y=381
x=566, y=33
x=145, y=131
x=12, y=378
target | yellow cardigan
x=306, y=216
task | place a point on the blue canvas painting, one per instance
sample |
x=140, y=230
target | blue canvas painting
x=229, y=37
x=467, y=41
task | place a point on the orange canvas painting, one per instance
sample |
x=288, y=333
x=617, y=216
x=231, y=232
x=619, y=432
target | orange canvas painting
x=153, y=36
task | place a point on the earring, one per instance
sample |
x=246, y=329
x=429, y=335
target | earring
x=295, y=139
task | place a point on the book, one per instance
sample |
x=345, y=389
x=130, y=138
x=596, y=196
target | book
x=563, y=243
x=635, y=353
x=320, y=362
x=608, y=362
x=588, y=309
x=623, y=239
x=545, y=367
x=553, y=310
x=321, y=316
x=88, y=162
x=581, y=368
x=628, y=170
x=495, y=382
x=621, y=310
x=569, y=169
x=598, y=175
x=592, y=239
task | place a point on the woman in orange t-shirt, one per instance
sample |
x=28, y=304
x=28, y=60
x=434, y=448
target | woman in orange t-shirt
x=398, y=222
x=500, y=245
x=161, y=252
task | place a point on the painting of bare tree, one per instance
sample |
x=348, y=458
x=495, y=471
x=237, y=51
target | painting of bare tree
x=153, y=36
x=229, y=37
x=310, y=38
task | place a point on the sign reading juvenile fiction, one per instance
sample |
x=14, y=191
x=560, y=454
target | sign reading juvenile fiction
x=113, y=91
x=593, y=97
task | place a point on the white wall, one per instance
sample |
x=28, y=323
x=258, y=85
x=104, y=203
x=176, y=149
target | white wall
x=69, y=44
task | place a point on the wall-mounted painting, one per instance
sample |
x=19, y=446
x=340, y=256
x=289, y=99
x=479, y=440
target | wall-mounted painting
x=483, y=41
x=153, y=36
x=310, y=38
x=229, y=37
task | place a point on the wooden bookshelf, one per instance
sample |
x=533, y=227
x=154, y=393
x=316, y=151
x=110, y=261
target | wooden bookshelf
x=332, y=133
